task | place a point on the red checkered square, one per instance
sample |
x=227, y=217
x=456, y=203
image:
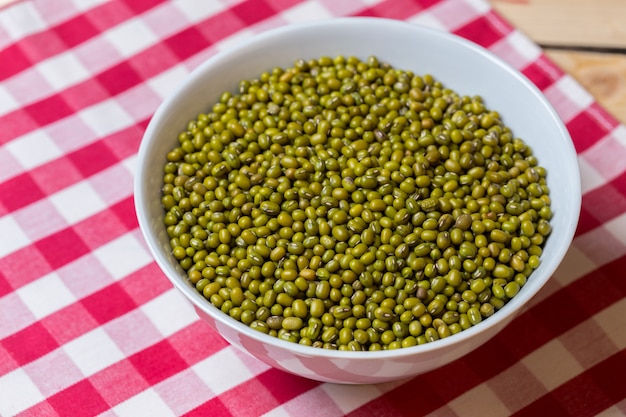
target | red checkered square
x=18, y=59
x=485, y=30
x=153, y=61
x=119, y=78
x=118, y=382
x=41, y=409
x=84, y=94
x=250, y=399
x=219, y=27
x=602, y=204
x=108, y=303
x=158, y=362
x=19, y=191
x=141, y=6
x=108, y=14
x=251, y=12
x=542, y=72
x=592, y=349
x=584, y=130
x=197, y=342
x=16, y=124
x=100, y=229
x=125, y=212
x=30, y=343
x=92, y=158
x=285, y=386
x=214, y=407
x=43, y=45
x=62, y=247
x=79, y=399
x=69, y=323
x=49, y=110
x=55, y=175
x=76, y=30
x=397, y=9
x=23, y=266
x=187, y=43
x=125, y=142
x=5, y=287
x=145, y=284
x=398, y=400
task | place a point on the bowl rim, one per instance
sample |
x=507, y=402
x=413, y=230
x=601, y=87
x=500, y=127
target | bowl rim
x=520, y=301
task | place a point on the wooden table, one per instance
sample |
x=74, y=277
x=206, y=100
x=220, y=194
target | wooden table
x=587, y=39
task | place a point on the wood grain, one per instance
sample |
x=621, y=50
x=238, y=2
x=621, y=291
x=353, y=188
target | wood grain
x=567, y=29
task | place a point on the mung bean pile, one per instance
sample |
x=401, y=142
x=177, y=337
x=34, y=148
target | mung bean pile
x=345, y=204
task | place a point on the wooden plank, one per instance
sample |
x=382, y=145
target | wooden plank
x=568, y=22
x=603, y=75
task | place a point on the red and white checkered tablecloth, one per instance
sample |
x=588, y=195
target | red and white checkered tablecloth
x=90, y=326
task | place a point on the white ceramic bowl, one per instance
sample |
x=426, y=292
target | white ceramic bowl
x=458, y=64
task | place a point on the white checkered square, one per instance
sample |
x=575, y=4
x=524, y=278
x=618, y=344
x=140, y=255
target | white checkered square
x=7, y=102
x=516, y=49
x=17, y=393
x=73, y=276
x=18, y=240
x=568, y=97
x=46, y=295
x=350, y=397
x=428, y=20
x=146, y=403
x=552, y=364
x=34, y=149
x=166, y=82
x=77, y=202
x=590, y=179
x=62, y=70
x=183, y=392
x=139, y=102
x=169, y=312
x=28, y=86
x=57, y=364
x=608, y=154
x=133, y=332
x=84, y=5
x=479, y=401
x=611, y=320
x=617, y=227
x=575, y=265
x=9, y=166
x=114, y=183
x=196, y=11
x=105, y=118
x=305, y=11
x=123, y=256
x=131, y=37
x=220, y=378
x=93, y=351
x=453, y=14
x=37, y=226
x=166, y=19
x=97, y=54
x=22, y=20
x=11, y=305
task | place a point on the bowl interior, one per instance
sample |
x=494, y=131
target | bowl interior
x=458, y=64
